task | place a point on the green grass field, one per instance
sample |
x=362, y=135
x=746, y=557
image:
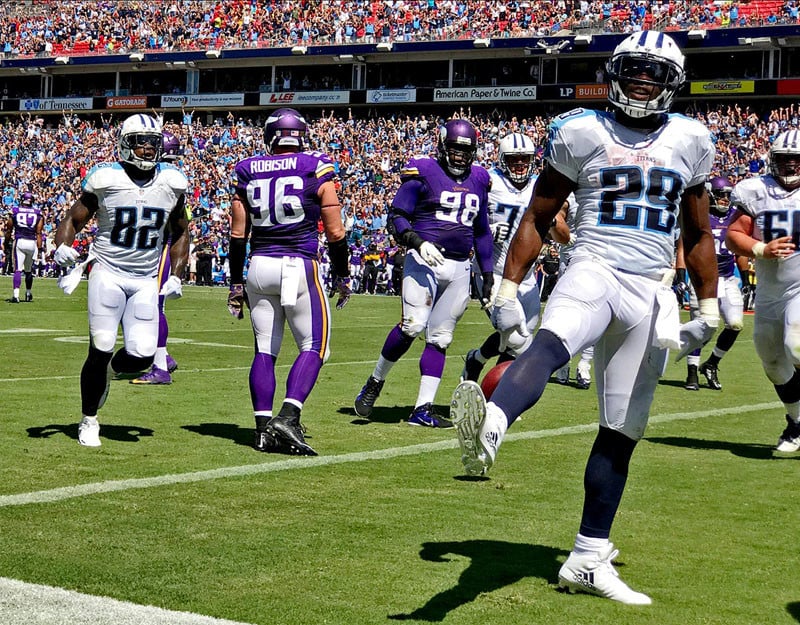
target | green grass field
x=176, y=510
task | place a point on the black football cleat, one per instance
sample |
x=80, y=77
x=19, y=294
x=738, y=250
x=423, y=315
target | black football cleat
x=711, y=374
x=288, y=436
x=265, y=442
x=692, y=382
x=367, y=397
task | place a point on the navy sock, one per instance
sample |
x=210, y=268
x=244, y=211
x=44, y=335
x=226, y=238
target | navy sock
x=604, y=481
x=93, y=380
x=525, y=379
x=123, y=362
x=789, y=393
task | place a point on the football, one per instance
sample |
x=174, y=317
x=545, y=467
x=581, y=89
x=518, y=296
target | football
x=492, y=378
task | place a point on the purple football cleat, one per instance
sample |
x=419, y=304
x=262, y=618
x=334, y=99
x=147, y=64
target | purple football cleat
x=154, y=376
x=171, y=364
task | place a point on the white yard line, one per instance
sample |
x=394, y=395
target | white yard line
x=82, y=490
x=34, y=604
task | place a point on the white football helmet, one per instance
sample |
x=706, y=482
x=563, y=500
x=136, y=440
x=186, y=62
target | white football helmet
x=516, y=154
x=645, y=58
x=784, y=159
x=136, y=131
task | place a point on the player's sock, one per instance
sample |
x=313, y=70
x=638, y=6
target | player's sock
x=262, y=382
x=302, y=376
x=396, y=344
x=93, y=380
x=160, y=360
x=789, y=394
x=125, y=362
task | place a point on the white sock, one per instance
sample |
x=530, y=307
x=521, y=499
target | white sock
x=91, y=420
x=16, y=293
x=428, y=385
x=160, y=360
x=382, y=368
x=586, y=544
x=478, y=355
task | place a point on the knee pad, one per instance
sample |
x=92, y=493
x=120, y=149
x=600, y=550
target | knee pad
x=412, y=328
x=736, y=324
x=143, y=346
x=440, y=338
x=104, y=340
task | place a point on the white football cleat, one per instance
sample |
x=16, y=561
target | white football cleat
x=89, y=432
x=789, y=441
x=478, y=435
x=594, y=573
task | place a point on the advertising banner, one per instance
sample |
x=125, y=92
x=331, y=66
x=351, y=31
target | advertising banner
x=390, y=96
x=289, y=98
x=202, y=99
x=722, y=87
x=484, y=94
x=126, y=102
x=56, y=104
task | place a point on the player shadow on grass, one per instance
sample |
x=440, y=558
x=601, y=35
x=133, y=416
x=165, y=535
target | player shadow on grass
x=793, y=609
x=753, y=451
x=493, y=565
x=388, y=414
x=121, y=433
x=230, y=431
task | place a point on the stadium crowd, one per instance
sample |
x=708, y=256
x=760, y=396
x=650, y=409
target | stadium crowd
x=116, y=26
x=50, y=160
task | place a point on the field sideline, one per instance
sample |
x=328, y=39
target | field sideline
x=176, y=511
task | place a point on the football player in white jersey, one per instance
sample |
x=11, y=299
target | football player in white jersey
x=765, y=227
x=512, y=185
x=637, y=173
x=134, y=201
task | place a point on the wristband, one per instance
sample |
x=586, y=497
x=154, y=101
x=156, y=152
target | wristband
x=508, y=289
x=758, y=249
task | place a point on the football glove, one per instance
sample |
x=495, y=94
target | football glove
x=508, y=317
x=500, y=231
x=431, y=254
x=237, y=300
x=172, y=288
x=65, y=255
x=486, y=291
x=341, y=286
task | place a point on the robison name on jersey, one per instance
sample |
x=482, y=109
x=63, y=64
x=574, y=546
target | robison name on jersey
x=776, y=213
x=629, y=184
x=131, y=218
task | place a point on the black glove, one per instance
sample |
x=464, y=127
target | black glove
x=486, y=292
x=237, y=299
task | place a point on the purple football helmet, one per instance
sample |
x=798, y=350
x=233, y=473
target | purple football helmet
x=172, y=147
x=26, y=199
x=458, y=144
x=285, y=127
x=719, y=195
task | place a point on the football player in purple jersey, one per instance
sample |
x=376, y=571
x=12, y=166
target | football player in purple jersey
x=163, y=364
x=731, y=303
x=27, y=224
x=440, y=214
x=279, y=200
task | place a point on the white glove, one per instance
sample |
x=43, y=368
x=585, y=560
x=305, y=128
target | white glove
x=431, y=254
x=65, y=255
x=172, y=288
x=500, y=231
x=508, y=317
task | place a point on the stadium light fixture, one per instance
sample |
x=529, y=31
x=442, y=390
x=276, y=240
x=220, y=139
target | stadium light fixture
x=62, y=60
x=136, y=57
x=299, y=50
x=212, y=54
x=584, y=40
x=481, y=42
x=384, y=46
x=697, y=34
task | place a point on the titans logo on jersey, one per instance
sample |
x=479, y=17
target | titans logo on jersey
x=442, y=210
x=131, y=218
x=25, y=219
x=507, y=204
x=629, y=184
x=280, y=192
x=776, y=213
